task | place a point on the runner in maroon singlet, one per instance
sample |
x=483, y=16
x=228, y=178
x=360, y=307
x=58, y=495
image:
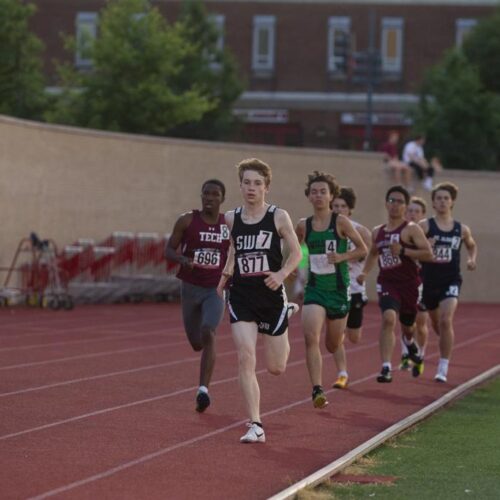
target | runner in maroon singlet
x=204, y=241
x=396, y=245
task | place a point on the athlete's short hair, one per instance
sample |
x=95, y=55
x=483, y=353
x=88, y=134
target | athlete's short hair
x=317, y=176
x=398, y=189
x=217, y=182
x=348, y=195
x=257, y=166
x=419, y=201
x=445, y=186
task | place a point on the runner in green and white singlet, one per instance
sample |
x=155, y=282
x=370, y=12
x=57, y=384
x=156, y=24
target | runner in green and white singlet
x=326, y=297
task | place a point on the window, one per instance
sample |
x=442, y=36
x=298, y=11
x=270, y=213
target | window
x=462, y=28
x=86, y=33
x=392, y=45
x=339, y=29
x=263, y=43
x=218, y=21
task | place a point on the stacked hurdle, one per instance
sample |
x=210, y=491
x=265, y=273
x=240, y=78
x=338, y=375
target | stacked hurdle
x=124, y=267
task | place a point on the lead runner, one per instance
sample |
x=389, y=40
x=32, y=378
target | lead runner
x=257, y=298
x=204, y=240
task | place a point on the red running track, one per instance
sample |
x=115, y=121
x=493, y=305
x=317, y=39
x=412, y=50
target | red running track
x=99, y=403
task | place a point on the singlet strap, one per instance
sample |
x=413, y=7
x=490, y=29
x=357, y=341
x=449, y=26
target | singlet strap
x=433, y=228
x=308, y=228
x=333, y=223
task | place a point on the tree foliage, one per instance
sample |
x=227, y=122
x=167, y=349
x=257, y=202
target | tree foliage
x=460, y=118
x=482, y=49
x=144, y=77
x=215, y=70
x=22, y=84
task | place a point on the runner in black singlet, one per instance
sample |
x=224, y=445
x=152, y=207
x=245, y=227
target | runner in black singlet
x=442, y=277
x=257, y=299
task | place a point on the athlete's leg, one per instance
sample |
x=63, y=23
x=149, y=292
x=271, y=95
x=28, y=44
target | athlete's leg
x=277, y=350
x=191, y=315
x=212, y=312
x=354, y=334
x=245, y=338
x=334, y=333
x=340, y=357
x=422, y=330
x=447, y=310
x=387, y=338
x=434, y=316
x=313, y=318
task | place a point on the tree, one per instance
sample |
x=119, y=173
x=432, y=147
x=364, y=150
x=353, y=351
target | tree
x=22, y=87
x=214, y=69
x=482, y=49
x=132, y=87
x=460, y=119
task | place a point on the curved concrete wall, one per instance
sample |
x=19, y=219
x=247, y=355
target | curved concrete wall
x=66, y=183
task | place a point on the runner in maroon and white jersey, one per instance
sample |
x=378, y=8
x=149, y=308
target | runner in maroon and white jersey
x=396, y=246
x=203, y=238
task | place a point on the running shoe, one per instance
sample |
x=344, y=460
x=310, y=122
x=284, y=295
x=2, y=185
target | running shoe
x=414, y=353
x=418, y=368
x=292, y=309
x=341, y=382
x=255, y=434
x=405, y=363
x=202, y=401
x=440, y=377
x=319, y=397
x=385, y=376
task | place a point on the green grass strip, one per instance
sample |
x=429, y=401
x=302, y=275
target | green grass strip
x=453, y=455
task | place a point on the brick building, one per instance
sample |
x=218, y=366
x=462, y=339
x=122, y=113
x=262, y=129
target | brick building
x=291, y=53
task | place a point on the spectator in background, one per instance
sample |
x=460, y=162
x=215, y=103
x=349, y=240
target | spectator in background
x=414, y=157
x=400, y=171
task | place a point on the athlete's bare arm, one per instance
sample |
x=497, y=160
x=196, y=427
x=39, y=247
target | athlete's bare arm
x=347, y=230
x=371, y=259
x=366, y=236
x=413, y=234
x=471, y=246
x=300, y=230
x=285, y=229
x=175, y=239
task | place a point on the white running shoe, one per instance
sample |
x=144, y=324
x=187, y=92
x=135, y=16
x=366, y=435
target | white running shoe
x=292, y=309
x=255, y=434
x=440, y=377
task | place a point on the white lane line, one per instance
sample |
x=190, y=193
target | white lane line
x=161, y=396
x=91, y=326
x=135, y=370
x=89, y=340
x=341, y=463
x=164, y=451
x=83, y=356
